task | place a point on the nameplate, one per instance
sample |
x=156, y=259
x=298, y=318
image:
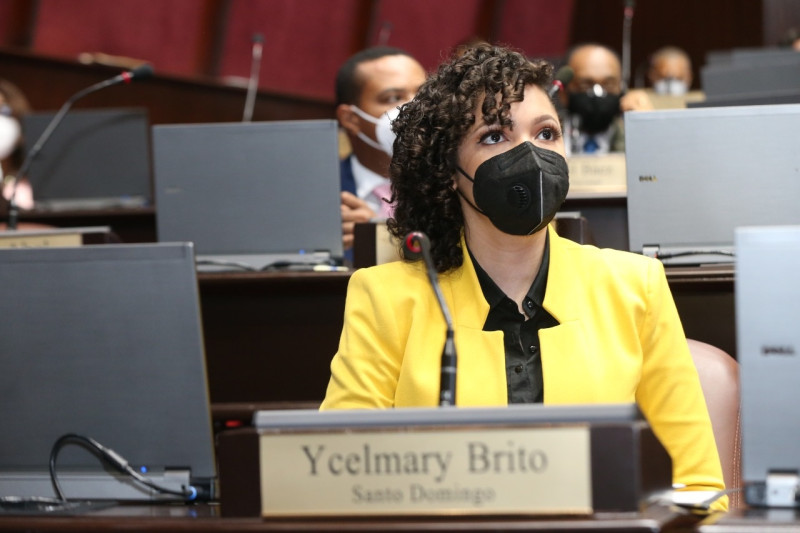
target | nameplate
x=427, y=471
x=41, y=240
x=597, y=176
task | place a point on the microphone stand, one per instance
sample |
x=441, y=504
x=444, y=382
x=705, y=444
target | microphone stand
x=418, y=242
x=627, y=22
x=13, y=210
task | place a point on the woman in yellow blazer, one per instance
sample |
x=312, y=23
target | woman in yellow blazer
x=479, y=167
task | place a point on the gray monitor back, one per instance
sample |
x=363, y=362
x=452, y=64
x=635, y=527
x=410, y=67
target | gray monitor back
x=768, y=348
x=249, y=188
x=96, y=158
x=694, y=175
x=752, y=76
x=106, y=342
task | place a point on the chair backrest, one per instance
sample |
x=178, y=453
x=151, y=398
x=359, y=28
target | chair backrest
x=719, y=378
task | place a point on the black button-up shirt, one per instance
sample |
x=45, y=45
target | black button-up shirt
x=520, y=332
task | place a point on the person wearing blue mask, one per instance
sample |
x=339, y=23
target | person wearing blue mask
x=479, y=167
x=595, y=101
x=370, y=86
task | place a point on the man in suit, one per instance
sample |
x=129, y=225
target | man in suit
x=595, y=100
x=368, y=85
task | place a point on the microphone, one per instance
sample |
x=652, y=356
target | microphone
x=627, y=22
x=562, y=79
x=252, y=84
x=415, y=244
x=139, y=73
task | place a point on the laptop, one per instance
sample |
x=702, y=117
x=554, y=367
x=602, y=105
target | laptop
x=95, y=159
x=104, y=342
x=694, y=175
x=251, y=195
x=768, y=347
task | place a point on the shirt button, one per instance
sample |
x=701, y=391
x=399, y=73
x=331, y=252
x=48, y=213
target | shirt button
x=518, y=369
x=529, y=303
x=532, y=348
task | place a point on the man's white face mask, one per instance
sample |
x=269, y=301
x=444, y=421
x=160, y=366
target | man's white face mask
x=9, y=135
x=672, y=86
x=383, y=128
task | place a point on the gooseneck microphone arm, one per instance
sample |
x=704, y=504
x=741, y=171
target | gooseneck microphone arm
x=143, y=71
x=417, y=243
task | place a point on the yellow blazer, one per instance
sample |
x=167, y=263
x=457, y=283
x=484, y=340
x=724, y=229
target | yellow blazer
x=619, y=340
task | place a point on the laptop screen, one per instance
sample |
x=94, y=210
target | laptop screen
x=97, y=158
x=104, y=342
x=694, y=175
x=768, y=345
x=249, y=188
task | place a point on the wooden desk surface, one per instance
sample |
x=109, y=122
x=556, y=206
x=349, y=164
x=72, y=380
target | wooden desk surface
x=210, y=518
x=752, y=521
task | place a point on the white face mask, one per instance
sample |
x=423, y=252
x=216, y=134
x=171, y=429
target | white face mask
x=383, y=128
x=671, y=86
x=9, y=135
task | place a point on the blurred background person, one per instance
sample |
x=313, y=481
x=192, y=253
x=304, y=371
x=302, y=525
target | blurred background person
x=370, y=84
x=670, y=71
x=13, y=104
x=595, y=100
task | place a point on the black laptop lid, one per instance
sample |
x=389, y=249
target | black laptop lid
x=95, y=158
x=105, y=342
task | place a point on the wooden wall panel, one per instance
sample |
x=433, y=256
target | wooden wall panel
x=427, y=30
x=697, y=27
x=171, y=34
x=305, y=41
x=541, y=28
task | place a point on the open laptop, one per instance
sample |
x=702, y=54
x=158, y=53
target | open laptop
x=694, y=175
x=95, y=159
x=250, y=195
x=104, y=342
x=768, y=347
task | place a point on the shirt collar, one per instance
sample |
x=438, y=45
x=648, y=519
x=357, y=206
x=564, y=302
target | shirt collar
x=366, y=180
x=494, y=296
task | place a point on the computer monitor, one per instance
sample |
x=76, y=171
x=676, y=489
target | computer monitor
x=768, y=345
x=95, y=159
x=104, y=342
x=255, y=193
x=694, y=175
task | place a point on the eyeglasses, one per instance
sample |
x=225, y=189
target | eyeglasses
x=608, y=86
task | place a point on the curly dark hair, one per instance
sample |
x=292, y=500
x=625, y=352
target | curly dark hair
x=430, y=128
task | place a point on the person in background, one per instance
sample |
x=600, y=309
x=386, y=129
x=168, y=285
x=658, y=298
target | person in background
x=595, y=100
x=13, y=104
x=670, y=71
x=370, y=86
x=479, y=166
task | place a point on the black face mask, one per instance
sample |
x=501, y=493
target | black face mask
x=520, y=190
x=596, y=112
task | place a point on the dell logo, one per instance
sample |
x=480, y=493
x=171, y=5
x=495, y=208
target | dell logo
x=647, y=178
x=777, y=350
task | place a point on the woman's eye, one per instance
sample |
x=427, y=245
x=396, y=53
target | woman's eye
x=493, y=137
x=548, y=134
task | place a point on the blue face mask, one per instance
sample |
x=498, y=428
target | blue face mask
x=520, y=190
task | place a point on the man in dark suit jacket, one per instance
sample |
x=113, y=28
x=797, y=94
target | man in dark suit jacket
x=369, y=84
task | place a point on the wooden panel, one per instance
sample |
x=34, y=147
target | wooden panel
x=49, y=82
x=305, y=41
x=428, y=30
x=697, y=27
x=538, y=27
x=171, y=34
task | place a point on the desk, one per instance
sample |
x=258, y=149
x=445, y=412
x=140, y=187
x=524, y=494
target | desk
x=270, y=336
x=131, y=225
x=207, y=518
x=752, y=520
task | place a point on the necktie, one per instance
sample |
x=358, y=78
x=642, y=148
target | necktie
x=384, y=190
x=590, y=146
